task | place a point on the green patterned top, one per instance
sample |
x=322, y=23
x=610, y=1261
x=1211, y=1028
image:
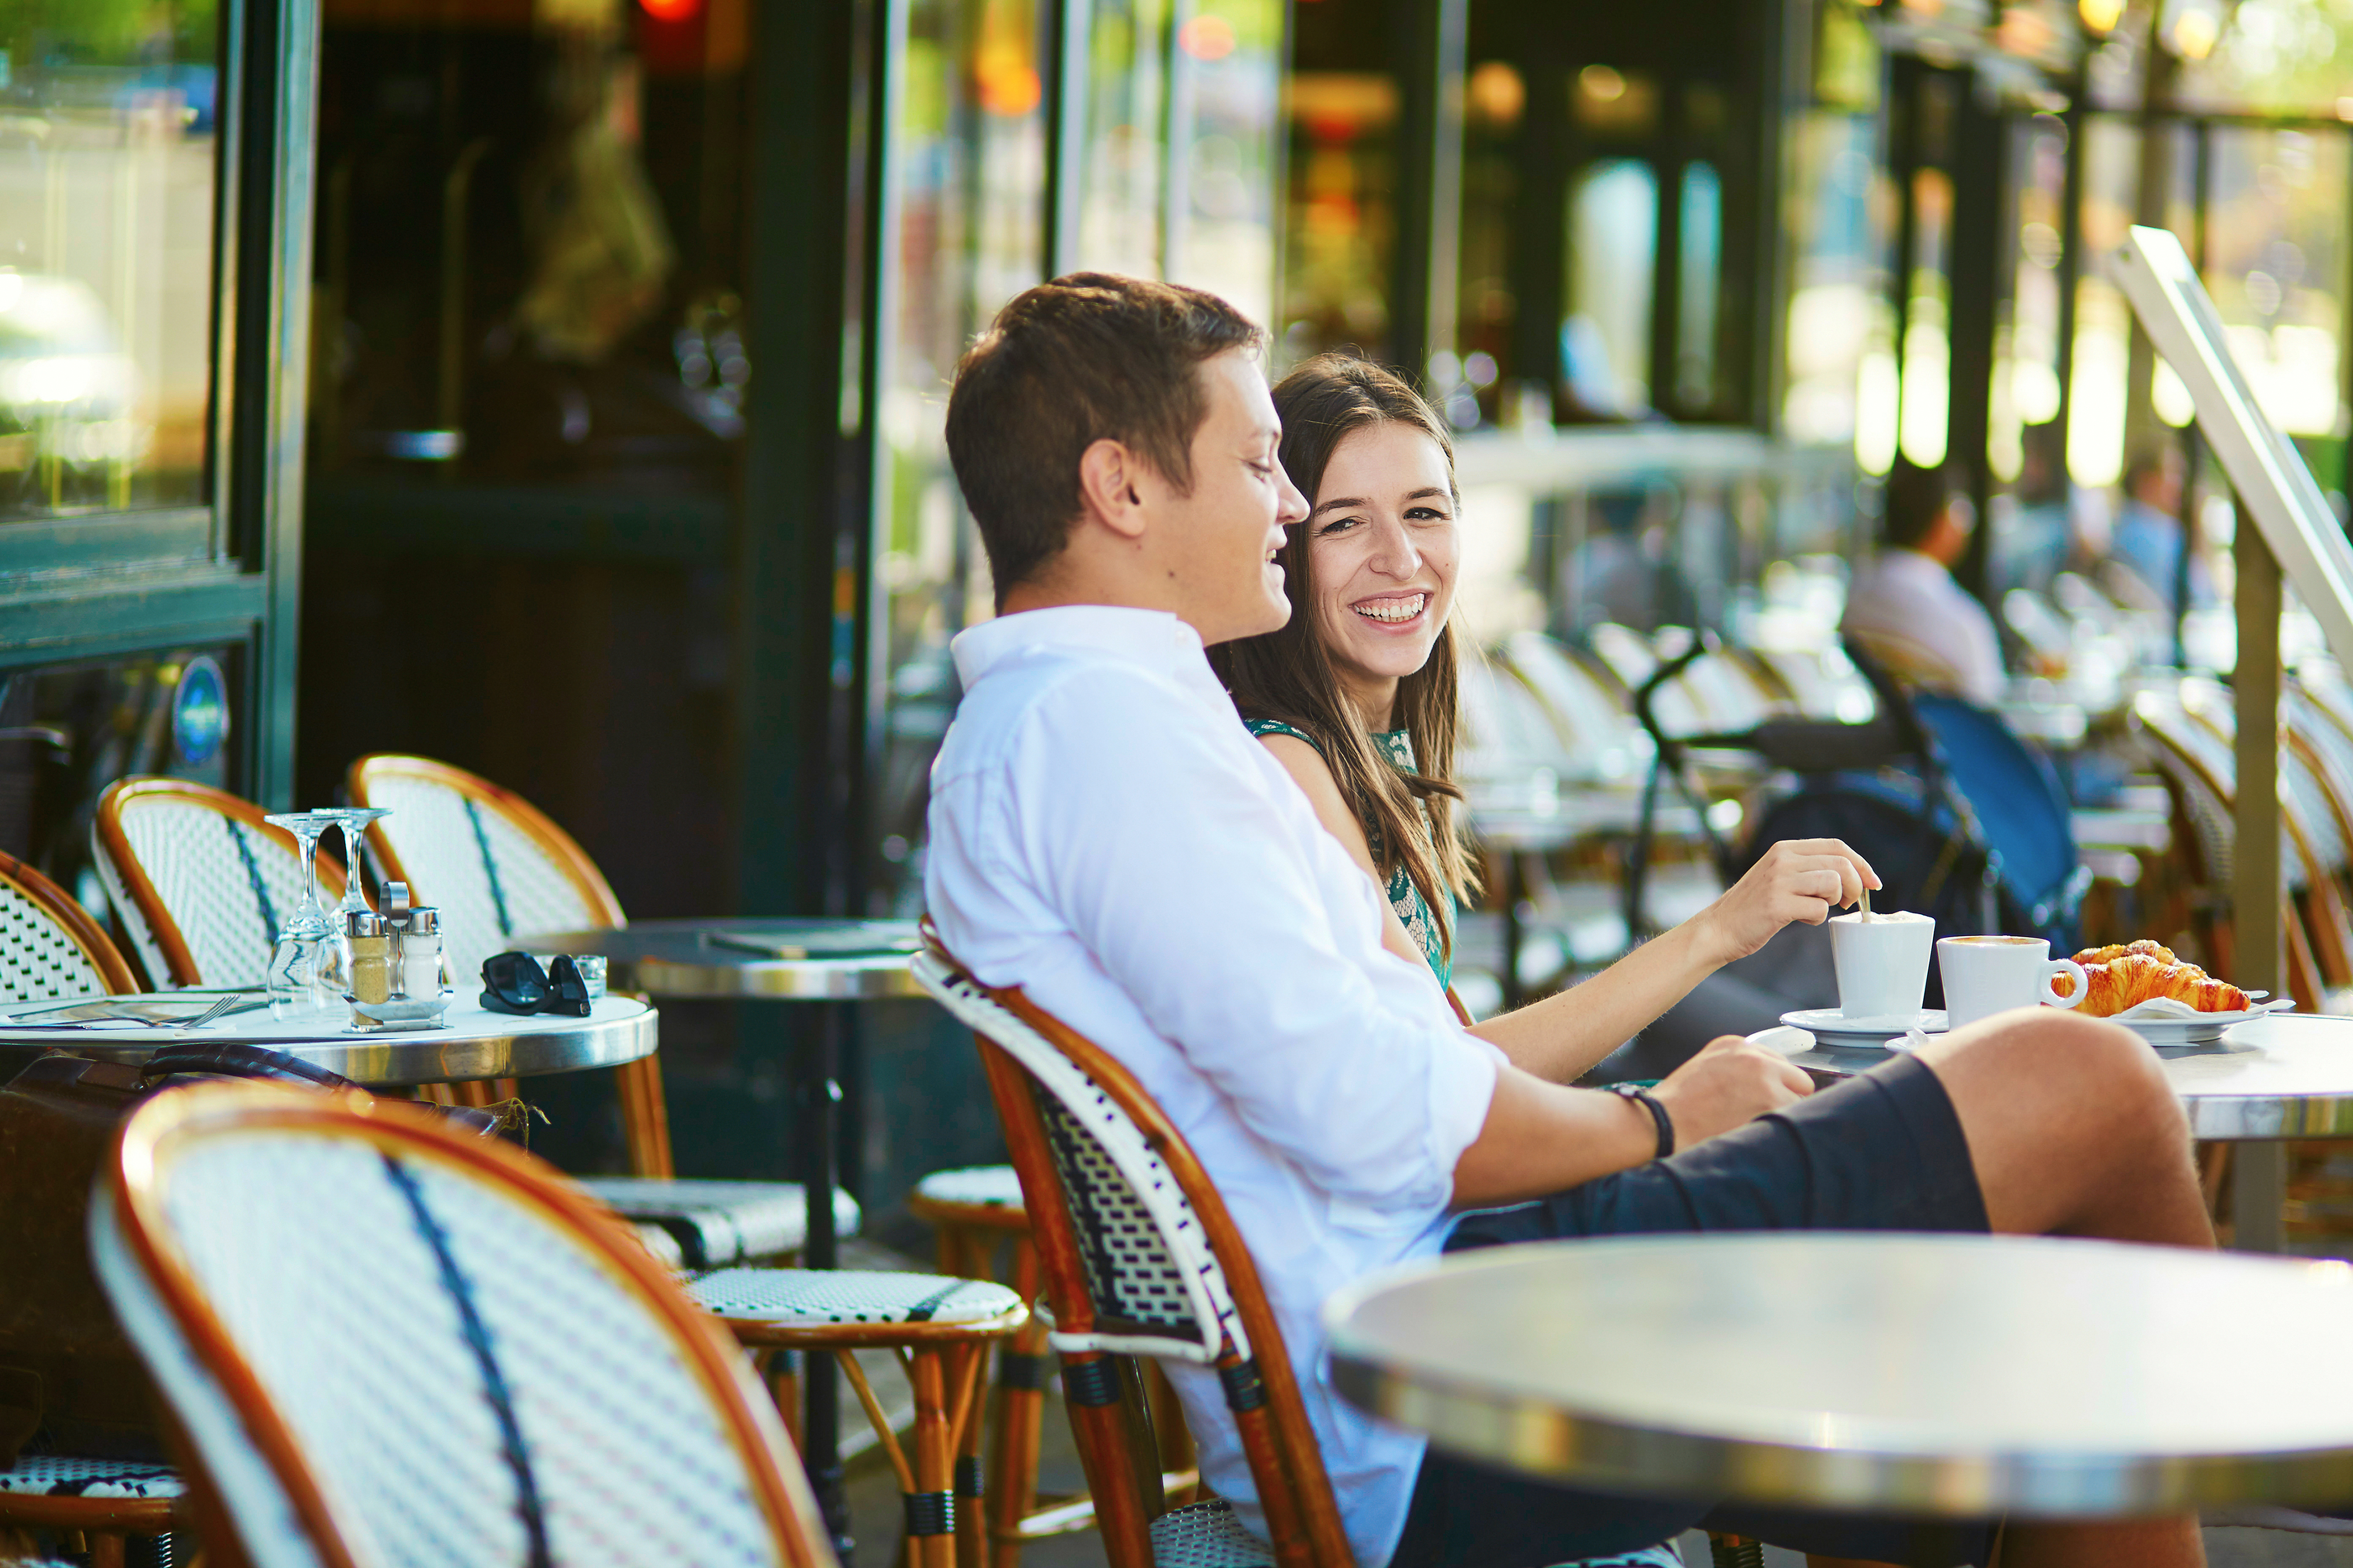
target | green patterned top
x=1412, y=911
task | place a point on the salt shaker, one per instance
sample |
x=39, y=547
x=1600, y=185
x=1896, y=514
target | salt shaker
x=424, y=965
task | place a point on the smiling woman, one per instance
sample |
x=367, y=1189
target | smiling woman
x=1356, y=695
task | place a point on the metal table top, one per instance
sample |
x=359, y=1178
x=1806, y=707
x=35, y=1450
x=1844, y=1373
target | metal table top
x=478, y=1043
x=677, y=958
x=2287, y=1076
x=1953, y=1376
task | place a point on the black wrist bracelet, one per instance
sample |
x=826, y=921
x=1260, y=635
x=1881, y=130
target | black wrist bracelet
x=1648, y=1102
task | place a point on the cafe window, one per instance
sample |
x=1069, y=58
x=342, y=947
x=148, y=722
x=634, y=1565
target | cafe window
x=969, y=153
x=529, y=256
x=109, y=176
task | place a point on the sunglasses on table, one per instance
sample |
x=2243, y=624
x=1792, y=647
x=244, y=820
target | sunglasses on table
x=514, y=982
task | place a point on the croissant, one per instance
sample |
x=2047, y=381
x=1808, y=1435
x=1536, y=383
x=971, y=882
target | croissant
x=2163, y=954
x=2123, y=977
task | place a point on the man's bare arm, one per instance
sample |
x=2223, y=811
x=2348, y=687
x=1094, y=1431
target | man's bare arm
x=1542, y=1138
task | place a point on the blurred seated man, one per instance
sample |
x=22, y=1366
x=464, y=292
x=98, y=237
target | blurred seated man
x=1905, y=608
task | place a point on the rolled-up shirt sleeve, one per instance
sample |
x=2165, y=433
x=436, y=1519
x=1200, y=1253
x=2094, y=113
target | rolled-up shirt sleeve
x=1190, y=882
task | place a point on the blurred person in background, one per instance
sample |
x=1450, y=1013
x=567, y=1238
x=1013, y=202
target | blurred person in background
x=2143, y=569
x=1904, y=608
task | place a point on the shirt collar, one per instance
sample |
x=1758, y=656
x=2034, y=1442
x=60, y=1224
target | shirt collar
x=1153, y=638
x=1911, y=562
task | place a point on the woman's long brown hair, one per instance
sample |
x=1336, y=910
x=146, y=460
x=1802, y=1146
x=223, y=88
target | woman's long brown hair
x=1287, y=675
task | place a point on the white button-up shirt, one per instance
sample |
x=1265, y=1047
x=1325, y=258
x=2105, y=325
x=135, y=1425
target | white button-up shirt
x=1106, y=834
x=1907, y=610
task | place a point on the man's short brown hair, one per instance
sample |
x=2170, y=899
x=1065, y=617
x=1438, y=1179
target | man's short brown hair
x=1087, y=357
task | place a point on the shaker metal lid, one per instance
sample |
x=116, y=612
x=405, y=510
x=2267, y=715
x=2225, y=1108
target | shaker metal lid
x=425, y=921
x=365, y=922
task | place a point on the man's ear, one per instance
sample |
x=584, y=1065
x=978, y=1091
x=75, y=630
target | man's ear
x=1111, y=481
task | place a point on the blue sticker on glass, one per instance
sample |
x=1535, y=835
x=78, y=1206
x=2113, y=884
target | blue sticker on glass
x=200, y=712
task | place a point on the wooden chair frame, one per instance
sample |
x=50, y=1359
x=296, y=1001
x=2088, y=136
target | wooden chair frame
x=943, y=1363
x=132, y=1204
x=180, y=964
x=645, y=1115
x=80, y=928
x=1123, y=1471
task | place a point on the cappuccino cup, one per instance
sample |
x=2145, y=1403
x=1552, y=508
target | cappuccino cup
x=1990, y=975
x=1882, y=963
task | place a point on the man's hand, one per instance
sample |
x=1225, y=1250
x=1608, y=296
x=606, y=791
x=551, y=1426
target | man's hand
x=1796, y=880
x=1728, y=1085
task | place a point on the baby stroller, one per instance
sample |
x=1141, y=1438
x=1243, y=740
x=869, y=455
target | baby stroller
x=1961, y=821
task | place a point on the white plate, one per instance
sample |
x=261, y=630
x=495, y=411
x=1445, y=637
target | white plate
x=2204, y=1029
x=1830, y=1026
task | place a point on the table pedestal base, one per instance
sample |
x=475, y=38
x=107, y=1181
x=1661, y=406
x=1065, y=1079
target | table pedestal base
x=2258, y=1196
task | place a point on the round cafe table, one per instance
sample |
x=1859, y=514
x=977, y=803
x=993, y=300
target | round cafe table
x=829, y=963
x=2289, y=1075
x=1945, y=1377
x=477, y=1043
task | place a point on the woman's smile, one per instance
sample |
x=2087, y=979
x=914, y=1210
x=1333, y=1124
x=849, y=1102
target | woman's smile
x=1397, y=612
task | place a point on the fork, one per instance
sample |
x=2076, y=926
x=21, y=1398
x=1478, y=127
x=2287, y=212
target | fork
x=219, y=1009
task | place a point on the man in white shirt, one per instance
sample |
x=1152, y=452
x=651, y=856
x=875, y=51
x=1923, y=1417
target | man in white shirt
x=1106, y=835
x=1904, y=606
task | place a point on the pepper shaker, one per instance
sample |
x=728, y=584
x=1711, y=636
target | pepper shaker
x=368, y=937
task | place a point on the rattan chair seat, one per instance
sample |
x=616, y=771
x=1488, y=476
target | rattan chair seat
x=988, y=1196
x=716, y=1224
x=820, y=1297
x=1206, y=1535
x=61, y=1475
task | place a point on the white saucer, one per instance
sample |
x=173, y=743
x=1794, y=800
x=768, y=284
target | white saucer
x=1831, y=1027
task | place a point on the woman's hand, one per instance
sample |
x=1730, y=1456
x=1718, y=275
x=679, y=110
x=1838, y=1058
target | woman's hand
x=1797, y=879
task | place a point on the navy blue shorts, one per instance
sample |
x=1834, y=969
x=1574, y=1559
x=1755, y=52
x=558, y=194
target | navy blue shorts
x=1880, y=1152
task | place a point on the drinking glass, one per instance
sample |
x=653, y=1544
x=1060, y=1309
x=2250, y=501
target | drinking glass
x=298, y=964
x=352, y=820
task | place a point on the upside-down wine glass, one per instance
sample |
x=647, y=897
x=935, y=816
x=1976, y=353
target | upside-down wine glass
x=352, y=820
x=299, y=963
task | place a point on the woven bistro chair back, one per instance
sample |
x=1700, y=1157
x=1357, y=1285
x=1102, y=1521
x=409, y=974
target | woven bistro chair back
x=498, y=869
x=388, y=1344
x=49, y=947
x=201, y=884
x=1139, y=1258
x=491, y=862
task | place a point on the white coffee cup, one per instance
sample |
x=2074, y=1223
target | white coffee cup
x=1990, y=975
x=1882, y=963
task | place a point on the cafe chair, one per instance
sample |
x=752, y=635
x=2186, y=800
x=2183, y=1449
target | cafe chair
x=972, y=1212
x=1139, y=1258
x=498, y=870
x=104, y=1499
x=50, y=948
x=2201, y=773
x=199, y=883
x=349, y=1311
x=940, y=1328
x=975, y=1212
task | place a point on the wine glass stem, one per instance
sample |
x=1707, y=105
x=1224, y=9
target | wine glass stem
x=306, y=845
x=354, y=857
